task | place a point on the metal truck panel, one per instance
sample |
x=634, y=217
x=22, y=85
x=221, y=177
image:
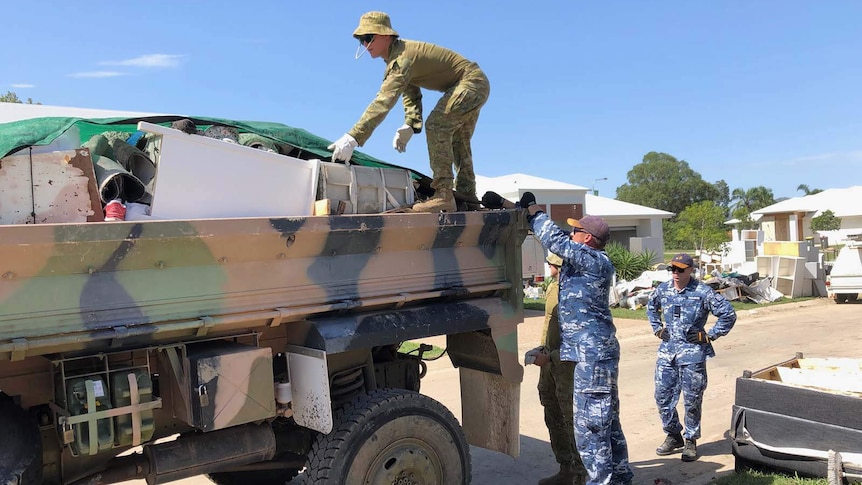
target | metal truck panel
x=68, y=287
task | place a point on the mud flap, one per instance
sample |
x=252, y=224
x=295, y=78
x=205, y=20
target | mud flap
x=309, y=385
x=490, y=387
x=490, y=407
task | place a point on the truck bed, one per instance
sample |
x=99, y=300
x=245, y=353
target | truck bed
x=68, y=287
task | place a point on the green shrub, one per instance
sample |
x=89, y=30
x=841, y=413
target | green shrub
x=629, y=265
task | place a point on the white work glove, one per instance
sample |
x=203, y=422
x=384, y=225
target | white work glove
x=530, y=356
x=402, y=136
x=342, y=149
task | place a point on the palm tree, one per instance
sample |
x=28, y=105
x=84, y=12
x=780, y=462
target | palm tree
x=748, y=201
x=807, y=190
x=753, y=198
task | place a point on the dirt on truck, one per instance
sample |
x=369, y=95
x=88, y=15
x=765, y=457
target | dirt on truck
x=262, y=344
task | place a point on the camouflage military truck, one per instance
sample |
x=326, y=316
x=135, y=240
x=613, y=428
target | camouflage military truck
x=252, y=348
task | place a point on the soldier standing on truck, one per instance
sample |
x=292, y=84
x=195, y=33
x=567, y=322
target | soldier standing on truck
x=685, y=304
x=411, y=65
x=556, y=387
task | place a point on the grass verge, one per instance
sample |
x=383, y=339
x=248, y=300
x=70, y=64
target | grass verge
x=760, y=478
x=413, y=348
x=640, y=313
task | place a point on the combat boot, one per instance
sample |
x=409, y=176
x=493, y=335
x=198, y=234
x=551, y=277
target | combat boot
x=689, y=453
x=567, y=475
x=672, y=443
x=443, y=201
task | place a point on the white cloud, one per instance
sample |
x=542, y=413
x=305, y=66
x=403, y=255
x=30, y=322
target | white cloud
x=23, y=86
x=97, y=74
x=148, y=60
x=830, y=157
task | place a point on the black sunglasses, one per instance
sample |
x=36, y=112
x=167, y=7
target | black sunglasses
x=676, y=269
x=366, y=39
x=578, y=229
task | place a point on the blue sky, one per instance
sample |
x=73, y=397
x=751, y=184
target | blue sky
x=763, y=92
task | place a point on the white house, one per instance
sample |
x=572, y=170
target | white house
x=636, y=227
x=790, y=220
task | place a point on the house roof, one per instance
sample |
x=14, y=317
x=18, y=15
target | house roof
x=605, y=207
x=22, y=111
x=511, y=183
x=509, y=186
x=842, y=202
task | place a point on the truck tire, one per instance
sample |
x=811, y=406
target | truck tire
x=20, y=446
x=391, y=436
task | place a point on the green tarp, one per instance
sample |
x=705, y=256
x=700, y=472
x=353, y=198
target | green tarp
x=42, y=131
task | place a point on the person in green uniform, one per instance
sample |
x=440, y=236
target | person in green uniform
x=410, y=66
x=556, y=387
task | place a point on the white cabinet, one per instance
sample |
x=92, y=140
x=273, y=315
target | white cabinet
x=790, y=277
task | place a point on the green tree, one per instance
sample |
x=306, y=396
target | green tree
x=807, y=190
x=700, y=225
x=11, y=97
x=723, y=199
x=662, y=182
x=752, y=199
x=825, y=222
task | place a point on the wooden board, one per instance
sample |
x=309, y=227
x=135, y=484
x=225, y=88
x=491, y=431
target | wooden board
x=832, y=379
x=54, y=187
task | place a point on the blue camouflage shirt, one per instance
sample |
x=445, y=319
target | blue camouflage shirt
x=587, y=329
x=686, y=309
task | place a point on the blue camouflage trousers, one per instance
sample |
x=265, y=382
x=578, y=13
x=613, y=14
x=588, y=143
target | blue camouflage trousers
x=598, y=433
x=670, y=380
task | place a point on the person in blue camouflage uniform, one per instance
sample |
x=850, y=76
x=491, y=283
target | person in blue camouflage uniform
x=411, y=66
x=685, y=303
x=588, y=338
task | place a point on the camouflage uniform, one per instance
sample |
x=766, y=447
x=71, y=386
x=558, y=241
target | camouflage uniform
x=589, y=339
x=556, y=387
x=682, y=365
x=413, y=65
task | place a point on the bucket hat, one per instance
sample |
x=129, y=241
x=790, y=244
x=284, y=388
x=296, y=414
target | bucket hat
x=377, y=23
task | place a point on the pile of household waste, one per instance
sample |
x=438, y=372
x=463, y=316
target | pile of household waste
x=66, y=170
x=733, y=286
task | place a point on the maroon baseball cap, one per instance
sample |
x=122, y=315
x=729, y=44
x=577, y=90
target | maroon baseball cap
x=594, y=225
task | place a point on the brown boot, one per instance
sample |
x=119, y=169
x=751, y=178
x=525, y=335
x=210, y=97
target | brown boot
x=566, y=476
x=443, y=201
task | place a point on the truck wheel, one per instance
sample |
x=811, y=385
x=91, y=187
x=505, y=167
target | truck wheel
x=391, y=436
x=20, y=447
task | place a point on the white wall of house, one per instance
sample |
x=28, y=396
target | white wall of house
x=843, y=202
x=638, y=227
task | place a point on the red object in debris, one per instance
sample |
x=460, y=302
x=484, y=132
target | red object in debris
x=115, y=211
